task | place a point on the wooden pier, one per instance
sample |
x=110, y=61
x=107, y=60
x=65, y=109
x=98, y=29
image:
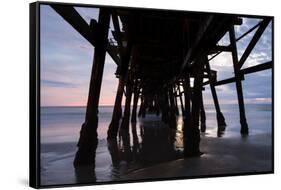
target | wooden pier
x=157, y=54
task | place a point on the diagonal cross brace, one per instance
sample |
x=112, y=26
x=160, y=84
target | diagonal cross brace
x=72, y=17
x=264, y=23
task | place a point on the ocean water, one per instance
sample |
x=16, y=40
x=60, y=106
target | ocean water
x=147, y=145
x=62, y=124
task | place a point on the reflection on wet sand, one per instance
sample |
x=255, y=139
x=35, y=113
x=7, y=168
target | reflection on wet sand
x=85, y=174
x=153, y=143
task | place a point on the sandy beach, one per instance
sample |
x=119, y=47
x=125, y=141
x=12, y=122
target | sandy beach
x=153, y=150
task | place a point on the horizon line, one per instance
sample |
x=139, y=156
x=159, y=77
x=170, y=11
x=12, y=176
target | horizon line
x=139, y=105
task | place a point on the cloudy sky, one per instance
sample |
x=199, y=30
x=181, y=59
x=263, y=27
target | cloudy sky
x=66, y=61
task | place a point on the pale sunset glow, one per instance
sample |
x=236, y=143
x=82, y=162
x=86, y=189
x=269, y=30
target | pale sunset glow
x=66, y=62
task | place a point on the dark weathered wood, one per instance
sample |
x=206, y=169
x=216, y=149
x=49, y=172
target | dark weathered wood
x=135, y=102
x=257, y=68
x=243, y=121
x=165, y=107
x=219, y=49
x=129, y=89
x=117, y=111
x=141, y=107
x=196, y=102
x=127, y=110
x=176, y=101
x=88, y=135
x=229, y=80
x=242, y=72
x=191, y=122
x=220, y=118
x=202, y=116
x=198, y=40
x=180, y=96
x=172, y=109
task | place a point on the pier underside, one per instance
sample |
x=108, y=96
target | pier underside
x=163, y=64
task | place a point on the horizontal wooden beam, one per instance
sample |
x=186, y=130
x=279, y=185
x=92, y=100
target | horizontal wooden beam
x=257, y=68
x=72, y=17
x=249, y=70
x=226, y=81
x=218, y=48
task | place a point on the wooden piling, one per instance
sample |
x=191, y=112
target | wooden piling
x=244, y=126
x=176, y=101
x=191, y=122
x=88, y=135
x=181, y=101
x=117, y=111
x=202, y=115
x=172, y=109
x=135, y=102
x=126, y=116
x=220, y=118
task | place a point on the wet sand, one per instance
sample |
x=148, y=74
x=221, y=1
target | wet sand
x=153, y=151
x=221, y=156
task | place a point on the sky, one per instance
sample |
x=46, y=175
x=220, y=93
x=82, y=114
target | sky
x=67, y=58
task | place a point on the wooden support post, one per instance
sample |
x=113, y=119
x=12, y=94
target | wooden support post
x=190, y=138
x=88, y=135
x=172, y=110
x=243, y=121
x=157, y=106
x=113, y=149
x=126, y=116
x=136, y=145
x=220, y=117
x=141, y=107
x=144, y=107
x=182, y=106
x=181, y=101
x=193, y=148
x=135, y=102
x=129, y=90
x=202, y=115
x=164, y=107
x=117, y=111
x=176, y=101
